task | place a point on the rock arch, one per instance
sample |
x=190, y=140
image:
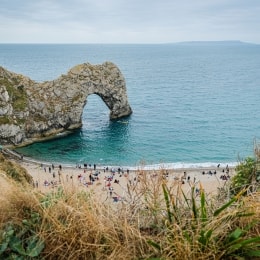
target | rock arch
x=30, y=110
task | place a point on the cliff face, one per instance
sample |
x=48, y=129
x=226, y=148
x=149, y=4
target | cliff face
x=31, y=110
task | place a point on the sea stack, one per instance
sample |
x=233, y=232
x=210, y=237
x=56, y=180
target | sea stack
x=30, y=110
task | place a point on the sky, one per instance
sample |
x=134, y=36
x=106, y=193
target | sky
x=128, y=21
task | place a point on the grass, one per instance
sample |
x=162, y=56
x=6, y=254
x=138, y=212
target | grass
x=4, y=120
x=14, y=171
x=16, y=93
x=154, y=221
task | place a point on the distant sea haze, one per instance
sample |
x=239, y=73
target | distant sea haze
x=193, y=104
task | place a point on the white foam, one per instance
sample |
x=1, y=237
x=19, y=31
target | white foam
x=176, y=165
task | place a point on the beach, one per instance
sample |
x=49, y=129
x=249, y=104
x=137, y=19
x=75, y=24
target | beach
x=110, y=183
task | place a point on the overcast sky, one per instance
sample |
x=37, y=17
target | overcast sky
x=128, y=21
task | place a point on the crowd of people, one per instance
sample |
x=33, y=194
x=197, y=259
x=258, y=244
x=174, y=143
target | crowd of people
x=112, y=181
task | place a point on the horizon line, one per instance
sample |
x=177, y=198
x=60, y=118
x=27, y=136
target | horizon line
x=136, y=43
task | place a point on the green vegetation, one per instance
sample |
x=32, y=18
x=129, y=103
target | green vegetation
x=10, y=120
x=247, y=174
x=20, y=241
x=4, y=120
x=155, y=221
x=208, y=232
x=14, y=171
x=16, y=93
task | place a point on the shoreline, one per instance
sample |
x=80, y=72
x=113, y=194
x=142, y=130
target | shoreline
x=48, y=177
x=149, y=167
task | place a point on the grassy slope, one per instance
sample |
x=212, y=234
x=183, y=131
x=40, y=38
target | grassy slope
x=159, y=223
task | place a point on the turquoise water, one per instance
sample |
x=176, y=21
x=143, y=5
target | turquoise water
x=192, y=104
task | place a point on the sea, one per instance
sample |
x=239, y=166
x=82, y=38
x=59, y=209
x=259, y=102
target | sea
x=194, y=104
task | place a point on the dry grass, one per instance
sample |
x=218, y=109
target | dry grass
x=83, y=228
x=74, y=225
x=14, y=171
x=154, y=221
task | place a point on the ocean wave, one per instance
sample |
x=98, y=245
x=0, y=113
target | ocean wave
x=182, y=165
x=175, y=165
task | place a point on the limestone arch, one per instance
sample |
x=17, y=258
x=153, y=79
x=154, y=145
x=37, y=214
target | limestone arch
x=106, y=81
x=56, y=106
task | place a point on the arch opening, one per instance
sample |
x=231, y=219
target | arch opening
x=95, y=113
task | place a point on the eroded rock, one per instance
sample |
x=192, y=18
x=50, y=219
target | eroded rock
x=30, y=110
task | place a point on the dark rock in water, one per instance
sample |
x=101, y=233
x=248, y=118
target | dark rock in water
x=31, y=111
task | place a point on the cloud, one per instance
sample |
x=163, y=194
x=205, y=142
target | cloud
x=119, y=21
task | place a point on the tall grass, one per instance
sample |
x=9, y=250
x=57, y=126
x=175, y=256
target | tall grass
x=155, y=220
x=14, y=171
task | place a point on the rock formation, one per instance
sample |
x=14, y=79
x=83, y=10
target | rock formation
x=30, y=110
